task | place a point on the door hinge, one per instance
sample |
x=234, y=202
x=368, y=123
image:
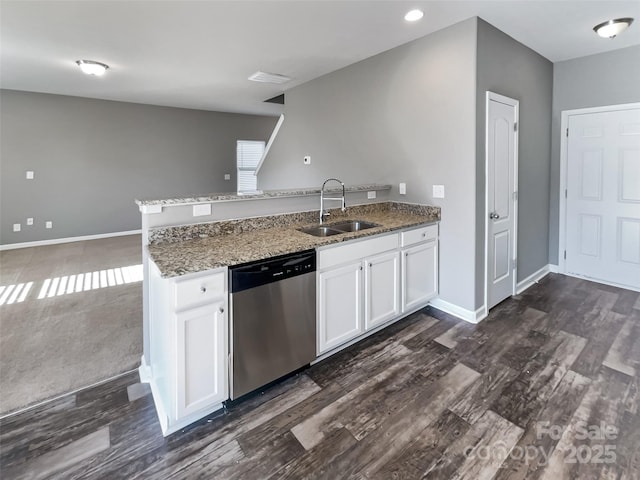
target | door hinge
x=567, y=132
x=565, y=193
x=515, y=196
x=565, y=254
x=514, y=263
x=515, y=126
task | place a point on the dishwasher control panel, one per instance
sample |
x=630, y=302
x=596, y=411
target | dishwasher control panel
x=261, y=272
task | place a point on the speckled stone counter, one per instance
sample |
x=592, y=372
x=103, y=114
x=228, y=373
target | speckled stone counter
x=196, y=248
x=226, y=197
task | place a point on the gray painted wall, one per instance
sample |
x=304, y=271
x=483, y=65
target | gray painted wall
x=509, y=68
x=610, y=78
x=92, y=158
x=405, y=115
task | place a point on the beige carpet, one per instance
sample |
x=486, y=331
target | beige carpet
x=82, y=333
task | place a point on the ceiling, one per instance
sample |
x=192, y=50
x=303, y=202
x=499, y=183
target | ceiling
x=198, y=54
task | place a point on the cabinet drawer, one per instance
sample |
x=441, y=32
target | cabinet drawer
x=199, y=290
x=422, y=234
x=356, y=250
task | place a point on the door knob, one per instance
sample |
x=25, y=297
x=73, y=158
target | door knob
x=494, y=215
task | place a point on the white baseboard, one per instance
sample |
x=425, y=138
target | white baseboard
x=163, y=418
x=144, y=370
x=532, y=279
x=470, y=316
x=554, y=268
x=56, y=241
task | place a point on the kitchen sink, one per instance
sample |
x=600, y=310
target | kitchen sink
x=320, y=231
x=337, y=228
x=353, y=226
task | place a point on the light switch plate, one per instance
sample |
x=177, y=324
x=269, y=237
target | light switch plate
x=16, y=227
x=48, y=224
x=202, y=209
x=371, y=195
x=29, y=221
x=438, y=191
x=403, y=189
x=227, y=176
x=30, y=174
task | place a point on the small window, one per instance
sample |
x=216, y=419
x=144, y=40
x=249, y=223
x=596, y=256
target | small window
x=248, y=154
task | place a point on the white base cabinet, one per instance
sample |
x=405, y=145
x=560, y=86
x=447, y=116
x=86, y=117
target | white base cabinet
x=188, y=346
x=419, y=266
x=419, y=275
x=382, y=287
x=365, y=284
x=201, y=372
x=339, y=305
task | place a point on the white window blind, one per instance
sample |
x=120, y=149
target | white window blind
x=249, y=153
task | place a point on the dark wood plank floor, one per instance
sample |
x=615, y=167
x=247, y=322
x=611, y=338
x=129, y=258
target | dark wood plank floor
x=546, y=387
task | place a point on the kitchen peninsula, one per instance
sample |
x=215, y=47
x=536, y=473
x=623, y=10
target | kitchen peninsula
x=365, y=279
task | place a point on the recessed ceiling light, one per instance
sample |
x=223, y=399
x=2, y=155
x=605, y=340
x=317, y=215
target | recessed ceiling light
x=92, y=68
x=265, y=77
x=414, y=15
x=613, y=27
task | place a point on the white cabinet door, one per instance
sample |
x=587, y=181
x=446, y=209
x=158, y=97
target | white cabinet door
x=339, y=306
x=382, y=292
x=201, y=359
x=419, y=275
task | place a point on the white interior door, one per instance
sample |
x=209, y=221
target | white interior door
x=502, y=151
x=603, y=197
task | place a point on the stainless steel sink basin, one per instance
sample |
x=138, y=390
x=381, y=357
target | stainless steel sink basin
x=353, y=226
x=338, y=228
x=321, y=231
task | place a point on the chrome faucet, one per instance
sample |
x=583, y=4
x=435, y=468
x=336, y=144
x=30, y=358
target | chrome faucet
x=324, y=213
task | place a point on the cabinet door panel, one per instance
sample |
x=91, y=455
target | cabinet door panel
x=419, y=275
x=339, y=306
x=201, y=358
x=381, y=289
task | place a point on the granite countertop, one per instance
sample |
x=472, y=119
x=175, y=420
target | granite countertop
x=200, y=254
x=226, y=197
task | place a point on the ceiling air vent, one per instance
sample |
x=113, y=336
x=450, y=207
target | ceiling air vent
x=265, y=77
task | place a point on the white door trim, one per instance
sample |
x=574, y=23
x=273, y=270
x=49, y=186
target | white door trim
x=516, y=104
x=564, y=153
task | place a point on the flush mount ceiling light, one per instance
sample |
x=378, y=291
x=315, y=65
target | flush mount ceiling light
x=92, y=68
x=613, y=27
x=265, y=77
x=414, y=15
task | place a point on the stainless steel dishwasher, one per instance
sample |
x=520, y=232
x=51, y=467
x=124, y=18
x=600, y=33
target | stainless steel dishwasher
x=273, y=319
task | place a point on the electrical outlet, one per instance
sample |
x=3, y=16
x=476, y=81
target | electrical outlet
x=403, y=189
x=48, y=224
x=371, y=195
x=29, y=175
x=227, y=176
x=16, y=227
x=438, y=191
x=307, y=159
x=29, y=221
